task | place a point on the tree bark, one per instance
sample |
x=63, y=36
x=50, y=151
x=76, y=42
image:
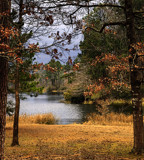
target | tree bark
x=4, y=6
x=135, y=82
x=3, y=101
x=15, y=140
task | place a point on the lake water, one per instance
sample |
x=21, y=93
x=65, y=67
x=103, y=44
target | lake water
x=66, y=113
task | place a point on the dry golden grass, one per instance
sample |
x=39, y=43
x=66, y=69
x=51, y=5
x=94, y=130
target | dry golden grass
x=48, y=118
x=70, y=142
x=110, y=119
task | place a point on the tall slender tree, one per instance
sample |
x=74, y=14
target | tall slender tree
x=135, y=81
x=17, y=98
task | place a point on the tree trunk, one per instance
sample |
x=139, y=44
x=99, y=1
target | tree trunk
x=4, y=6
x=15, y=140
x=17, y=107
x=3, y=101
x=135, y=82
x=137, y=113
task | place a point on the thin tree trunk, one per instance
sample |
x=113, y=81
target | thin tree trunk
x=17, y=107
x=3, y=101
x=15, y=140
x=135, y=82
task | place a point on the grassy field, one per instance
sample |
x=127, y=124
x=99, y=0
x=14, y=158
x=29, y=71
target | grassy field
x=70, y=142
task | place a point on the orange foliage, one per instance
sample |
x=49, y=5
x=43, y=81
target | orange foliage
x=8, y=34
x=139, y=47
x=76, y=66
x=117, y=69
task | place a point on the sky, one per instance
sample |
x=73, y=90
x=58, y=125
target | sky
x=45, y=40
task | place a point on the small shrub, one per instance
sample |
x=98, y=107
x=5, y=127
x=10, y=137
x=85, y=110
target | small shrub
x=67, y=96
x=96, y=96
x=45, y=119
x=48, y=118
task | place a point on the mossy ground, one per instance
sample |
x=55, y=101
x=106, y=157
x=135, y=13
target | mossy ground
x=70, y=142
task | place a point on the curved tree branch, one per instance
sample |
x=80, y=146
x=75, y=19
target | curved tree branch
x=123, y=23
x=138, y=12
x=59, y=5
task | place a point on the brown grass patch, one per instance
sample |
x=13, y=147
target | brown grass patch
x=48, y=118
x=109, y=119
x=70, y=142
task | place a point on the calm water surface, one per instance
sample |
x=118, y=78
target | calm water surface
x=66, y=113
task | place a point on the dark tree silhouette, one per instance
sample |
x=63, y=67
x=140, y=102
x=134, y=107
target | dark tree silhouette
x=4, y=7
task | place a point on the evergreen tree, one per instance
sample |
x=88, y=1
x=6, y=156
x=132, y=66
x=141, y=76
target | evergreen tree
x=55, y=75
x=96, y=45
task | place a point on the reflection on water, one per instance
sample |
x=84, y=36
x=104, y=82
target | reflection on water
x=66, y=113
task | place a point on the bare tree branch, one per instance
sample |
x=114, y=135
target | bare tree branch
x=138, y=12
x=123, y=23
x=112, y=24
x=85, y=6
